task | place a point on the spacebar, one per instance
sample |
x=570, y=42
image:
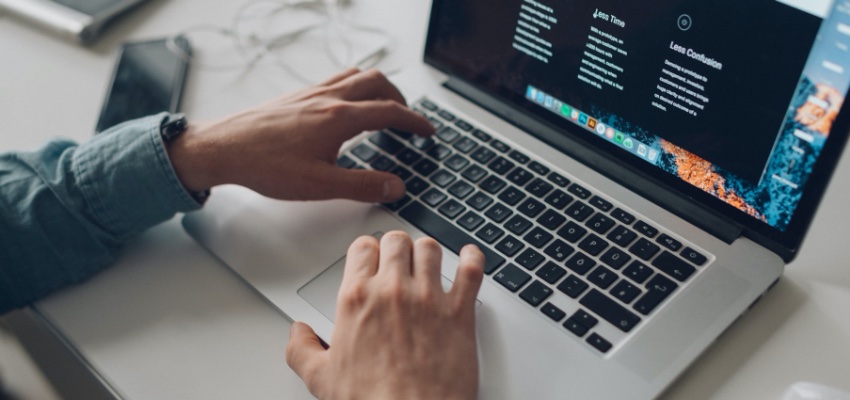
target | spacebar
x=447, y=234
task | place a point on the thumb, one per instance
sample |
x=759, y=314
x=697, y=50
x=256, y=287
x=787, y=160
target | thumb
x=362, y=185
x=306, y=355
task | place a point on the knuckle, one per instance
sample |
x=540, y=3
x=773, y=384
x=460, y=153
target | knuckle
x=354, y=296
x=364, y=245
x=428, y=244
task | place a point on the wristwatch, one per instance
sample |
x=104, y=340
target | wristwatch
x=172, y=126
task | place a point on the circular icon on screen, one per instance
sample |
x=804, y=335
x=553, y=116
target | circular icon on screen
x=684, y=22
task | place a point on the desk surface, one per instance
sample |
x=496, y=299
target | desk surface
x=170, y=321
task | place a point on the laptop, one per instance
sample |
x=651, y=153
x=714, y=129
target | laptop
x=78, y=20
x=637, y=175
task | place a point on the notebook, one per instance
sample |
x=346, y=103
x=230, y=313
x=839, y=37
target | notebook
x=78, y=20
x=637, y=176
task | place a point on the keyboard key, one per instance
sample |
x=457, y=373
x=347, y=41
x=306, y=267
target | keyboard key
x=451, y=209
x=456, y=162
x=531, y=208
x=426, y=167
x=573, y=286
x=500, y=166
x=439, y=152
x=601, y=203
x=580, y=323
x=481, y=135
x=498, y=145
x=615, y=258
x=580, y=263
x=520, y=176
x=609, y=310
x=602, y=277
x=623, y=216
x=509, y=246
x=461, y=189
x=512, y=277
x=479, y=201
x=553, y=312
x=511, y=196
x=558, y=179
x=492, y=184
x=401, y=172
x=422, y=143
x=489, y=233
x=416, y=185
x=668, y=242
x=428, y=105
x=483, y=154
x=558, y=199
x=551, y=272
x=387, y=143
x=448, y=134
x=447, y=234
x=470, y=221
x=498, y=212
x=579, y=191
x=364, y=152
x=637, y=271
x=674, y=266
x=535, y=293
x=579, y=211
x=519, y=157
x=625, y=291
x=518, y=225
x=658, y=289
x=644, y=249
x=446, y=115
x=600, y=223
x=405, y=135
x=433, y=197
x=463, y=125
x=537, y=237
x=559, y=250
x=599, y=342
x=408, y=156
x=464, y=145
x=693, y=256
x=398, y=204
x=593, y=244
x=345, y=162
x=551, y=219
x=622, y=236
x=571, y=232
x=474, y=173
x=529, y=259
x=443, y=178
x=382, y=163
x=538, y=168
x=539, y=188
x=646, y=229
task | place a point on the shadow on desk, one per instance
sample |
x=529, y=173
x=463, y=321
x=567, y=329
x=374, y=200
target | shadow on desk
x=739, y=343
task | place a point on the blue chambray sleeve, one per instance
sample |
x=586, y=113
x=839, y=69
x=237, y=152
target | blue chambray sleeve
x=66, y=209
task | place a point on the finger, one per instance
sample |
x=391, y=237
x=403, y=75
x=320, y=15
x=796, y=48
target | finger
x=427, y=262
x=306, y=356
x=369, y=85
x=361, y=261
x=470, y=272
x=340, y=76
x=373, y=115
x=396, y=256
x=332, y=182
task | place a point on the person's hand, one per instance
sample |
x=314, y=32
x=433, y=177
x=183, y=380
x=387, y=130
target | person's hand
x=287, y=148
x=397, y=335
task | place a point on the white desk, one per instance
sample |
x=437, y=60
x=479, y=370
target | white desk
x=170, y=321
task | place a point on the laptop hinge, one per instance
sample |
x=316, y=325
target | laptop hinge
x=718, y=225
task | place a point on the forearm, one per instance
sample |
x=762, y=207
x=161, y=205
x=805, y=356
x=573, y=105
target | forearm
x=65, y=210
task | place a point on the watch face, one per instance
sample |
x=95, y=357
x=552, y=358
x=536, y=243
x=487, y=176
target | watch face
x=173, y=126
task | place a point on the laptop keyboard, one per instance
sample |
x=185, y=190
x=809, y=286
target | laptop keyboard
x=574, y=255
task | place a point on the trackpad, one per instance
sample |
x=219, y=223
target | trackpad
x=321, y=292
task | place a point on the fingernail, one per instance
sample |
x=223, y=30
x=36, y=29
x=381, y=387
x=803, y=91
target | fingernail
x=393, y=189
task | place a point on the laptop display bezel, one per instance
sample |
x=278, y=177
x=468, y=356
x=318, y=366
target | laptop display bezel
x=665, y=189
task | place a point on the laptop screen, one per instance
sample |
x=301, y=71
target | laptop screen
x=734, y=99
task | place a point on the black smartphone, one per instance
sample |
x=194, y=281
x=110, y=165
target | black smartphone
x=148, y=79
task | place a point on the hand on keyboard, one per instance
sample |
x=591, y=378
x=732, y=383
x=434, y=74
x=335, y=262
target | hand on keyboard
x=398, y=335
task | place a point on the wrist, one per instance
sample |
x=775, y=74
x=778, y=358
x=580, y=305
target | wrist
x=191, y=158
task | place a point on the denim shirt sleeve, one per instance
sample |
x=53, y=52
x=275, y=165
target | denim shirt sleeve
x=66, y=209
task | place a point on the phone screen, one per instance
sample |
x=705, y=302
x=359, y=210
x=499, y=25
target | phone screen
x=148, y=79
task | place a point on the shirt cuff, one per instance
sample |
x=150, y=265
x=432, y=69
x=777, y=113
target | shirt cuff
x=127, y=178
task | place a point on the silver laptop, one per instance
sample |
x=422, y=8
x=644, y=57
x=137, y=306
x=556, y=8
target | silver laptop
x=77, y=20
x=638, y=176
